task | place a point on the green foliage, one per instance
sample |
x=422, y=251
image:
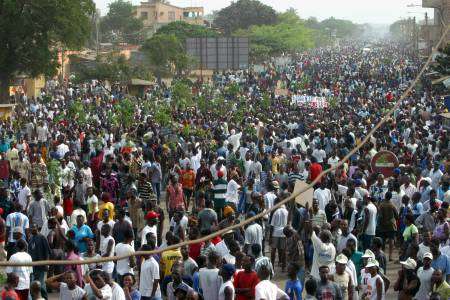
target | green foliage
x=265, y=101
x=112, y=67
x=125, y=112
x=340, y=28
x=323, y=32
x=443, y=61
x=166, y=53
x=77, y=113
x=120, y=25
x=242, y=14
x=181, y=95
x=289, y=35
x=183, y=30
x=33, y=31
x=163, y=115
x=54, y=172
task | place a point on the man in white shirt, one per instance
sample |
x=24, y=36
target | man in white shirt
x=320, y=155
x=24, y=195
x=149, y=276
x=23, y=272
x=125, y=266
x=278, y=239
x=151, y=227
x=323, y=195
x=232, y=195
x=265, y=289
x=253, y=234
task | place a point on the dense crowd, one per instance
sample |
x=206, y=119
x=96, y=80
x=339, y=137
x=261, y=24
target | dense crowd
x=74, y=191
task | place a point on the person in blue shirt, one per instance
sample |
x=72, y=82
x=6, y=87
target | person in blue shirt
x=82, y=234
x=293, y=287
x=440, y=261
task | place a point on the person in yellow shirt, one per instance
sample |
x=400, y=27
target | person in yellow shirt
x=169, y=257
x=107, y=205
x=440, y=286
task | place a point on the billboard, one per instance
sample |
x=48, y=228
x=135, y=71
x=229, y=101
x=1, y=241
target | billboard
x=219, y=53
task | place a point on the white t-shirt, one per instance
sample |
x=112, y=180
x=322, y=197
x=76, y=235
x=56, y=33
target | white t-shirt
x=320, y=155
x=117, y=292
x=425, y=282
x=371, y=227
x=210, y=282
x=146, y=230
x=324, y=254
x=269, y=198
x=323, y=196
x=62, y=149
x=110, y=223
x=104, y=241
x=372, y=288
x=149, y=273
x=66, y=294
x=123, y=265
x=232, y=194
x=23, y=196
x=279, y=221
x=22, y=272
x=93, y=202
x=268, y=291
x=106, y=292
x=254, y=234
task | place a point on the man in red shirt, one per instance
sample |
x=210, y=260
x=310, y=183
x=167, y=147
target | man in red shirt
x=245, y=281
x=4, y=168
x=8, y=292
x=315, y=169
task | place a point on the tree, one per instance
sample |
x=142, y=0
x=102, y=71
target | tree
x=33, y=31
x=166, y=54
x=289, y=35
x=181, y=95
x=443, y=61
x=112, y=67
x=120, y=25
x=184, y=30
x=242, y=14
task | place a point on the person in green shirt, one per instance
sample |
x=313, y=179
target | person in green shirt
x=219, y=191
x=356, y=257
x=440, y=286
x=411, y=232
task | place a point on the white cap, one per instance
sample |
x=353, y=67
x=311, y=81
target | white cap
x=368, y=254
x=428, y=255
x=409, y=264
x=372, y=263
x=341, y=259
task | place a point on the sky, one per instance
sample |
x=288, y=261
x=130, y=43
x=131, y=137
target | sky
x=359, y=11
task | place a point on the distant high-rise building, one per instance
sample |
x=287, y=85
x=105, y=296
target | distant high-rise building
x=157, y=13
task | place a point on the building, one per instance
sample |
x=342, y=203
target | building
x=435, y=28
x=157, y=13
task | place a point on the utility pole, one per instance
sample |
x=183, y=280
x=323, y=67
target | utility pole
x=427, y=35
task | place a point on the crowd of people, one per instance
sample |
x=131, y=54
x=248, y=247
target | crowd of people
x=75, y=191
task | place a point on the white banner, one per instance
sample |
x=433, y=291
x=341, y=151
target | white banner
x=311, y=101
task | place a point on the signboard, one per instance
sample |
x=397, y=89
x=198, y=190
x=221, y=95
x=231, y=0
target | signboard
x=306, y=197
x=384, y=162
x=310, y=101
x=223, y=53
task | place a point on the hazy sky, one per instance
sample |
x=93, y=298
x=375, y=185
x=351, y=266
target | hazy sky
x=360, y=11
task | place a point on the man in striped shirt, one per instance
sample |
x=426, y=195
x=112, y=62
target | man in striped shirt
x=219, y=191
